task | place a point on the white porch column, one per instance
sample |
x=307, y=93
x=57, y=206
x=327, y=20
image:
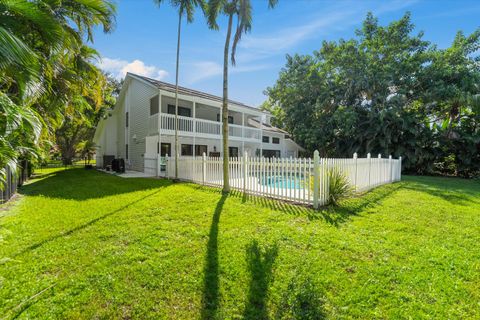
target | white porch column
x=243, y=133
x=159, y=140
x=194, y=126
x=221, y=132
x=261, y=136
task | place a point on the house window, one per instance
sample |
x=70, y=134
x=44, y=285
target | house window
x=230, y=118
x=187, y=150
x=126, y=151
x=182, y=111
x=154, y=102
x=233, y=151
x=271, y=153
x=200, y=149
x=126, y=119
x=165, y=149
x=275, y=140
x=266, y=139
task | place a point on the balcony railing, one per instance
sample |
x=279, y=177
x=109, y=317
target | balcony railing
x=200, y=127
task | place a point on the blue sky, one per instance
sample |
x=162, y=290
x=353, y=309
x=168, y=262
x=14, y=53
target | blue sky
x=144, y=40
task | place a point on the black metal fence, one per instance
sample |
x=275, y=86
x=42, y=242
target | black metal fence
x=12, y=181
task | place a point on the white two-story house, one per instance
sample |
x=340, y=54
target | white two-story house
x=141, y=126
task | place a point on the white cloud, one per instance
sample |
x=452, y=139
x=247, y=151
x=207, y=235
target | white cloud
x=331, y=19
x=288, y=37
x=203, y=70
x=119, y=68
x=198, y=71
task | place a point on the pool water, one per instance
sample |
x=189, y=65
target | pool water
x=283, y=182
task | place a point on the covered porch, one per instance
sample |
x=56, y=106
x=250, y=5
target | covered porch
x=202, y=120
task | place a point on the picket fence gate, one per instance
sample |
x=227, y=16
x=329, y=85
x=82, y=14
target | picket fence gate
x=300, y=180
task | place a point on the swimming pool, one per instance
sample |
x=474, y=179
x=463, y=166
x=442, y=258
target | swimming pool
x=283, y=182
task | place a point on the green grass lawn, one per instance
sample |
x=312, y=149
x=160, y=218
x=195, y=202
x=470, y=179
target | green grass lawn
x=81, y=244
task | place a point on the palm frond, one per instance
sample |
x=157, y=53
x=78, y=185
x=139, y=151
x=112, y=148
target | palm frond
x=244, y=24
x=213, y=9
x=38, y=16
x=272, y=3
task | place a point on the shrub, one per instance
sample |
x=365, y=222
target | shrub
x=338, y=185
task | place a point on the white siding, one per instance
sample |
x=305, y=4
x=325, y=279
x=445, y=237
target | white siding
x=110, y=134
x=181, y=103
x=212, y=144
x=138, y=106
x=106, y=140
x=273, y=146
x=120, y=117
x=113, y=135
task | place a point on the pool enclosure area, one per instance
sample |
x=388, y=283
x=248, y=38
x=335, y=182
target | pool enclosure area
x=300, y=180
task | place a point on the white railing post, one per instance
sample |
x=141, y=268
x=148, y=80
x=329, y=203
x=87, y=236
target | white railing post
x=316, y=178
x=158, y=164
x=355, y=158
x=391, y=167
x=379, y=168
x=400, y=168
x=204, y=168
x=245, y=173
x=167, y=175
x=369, y=168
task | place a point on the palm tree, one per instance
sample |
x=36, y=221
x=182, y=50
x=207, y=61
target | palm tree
x=19, y=131
x=184, y=7
x=39, y=41
x=242, y=10
x=87, y=149
x=36, y=32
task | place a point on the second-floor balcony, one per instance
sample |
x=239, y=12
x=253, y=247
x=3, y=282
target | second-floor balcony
x=164, y=123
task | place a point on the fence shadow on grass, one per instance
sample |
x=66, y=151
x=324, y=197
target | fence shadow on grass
x=82, y=226
x=210, y=296
x=80, y=184
x=260, y=264
x=334, y=215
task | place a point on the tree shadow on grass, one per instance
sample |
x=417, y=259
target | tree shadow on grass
x=454, y=190
x=81, y=184
x=260, y=264
x=82, y=226
x=210, y=297
x=302, y=300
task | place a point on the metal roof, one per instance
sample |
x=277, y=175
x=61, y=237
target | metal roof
x=266, y=127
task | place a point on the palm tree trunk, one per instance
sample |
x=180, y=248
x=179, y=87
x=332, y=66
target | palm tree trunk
x=176, y=93
x=226, y=183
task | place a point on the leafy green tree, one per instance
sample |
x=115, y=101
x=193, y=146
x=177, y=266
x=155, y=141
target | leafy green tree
x=19, y=131
x=86, y=149
x=453, y=79
x=90, y=102
x=41, y=45
x=242, y=11
x=386, y=91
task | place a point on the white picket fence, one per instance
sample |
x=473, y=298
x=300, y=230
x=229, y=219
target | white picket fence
x=301, y=180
